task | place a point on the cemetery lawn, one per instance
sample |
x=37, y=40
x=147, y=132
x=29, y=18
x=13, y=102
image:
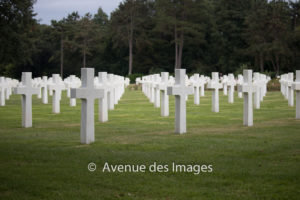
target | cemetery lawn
x=47, y=161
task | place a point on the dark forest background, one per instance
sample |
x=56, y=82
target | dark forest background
x=147, y=36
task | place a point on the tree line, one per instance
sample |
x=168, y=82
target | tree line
x=150, y=36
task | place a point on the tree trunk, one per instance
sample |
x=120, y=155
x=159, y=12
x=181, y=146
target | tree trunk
x=130, y=57
x=130, y=40
x=261, y=62
x=84, y=53
x=180, y=51
x=256, y=60
x=176, y=47
x=273, y=63
x=277, y=64
x=61, y=56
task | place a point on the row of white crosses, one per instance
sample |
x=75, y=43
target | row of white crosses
x=180, y=90
x=260, y=81
x=287, y=88
x=27, y=88
x=114, y=87
x=150, y=86
x=109, y=94
x=256, y=86
x=55, y=86
x=198, y=82
x=158, y=88
x=6, y=87
x=154, y=87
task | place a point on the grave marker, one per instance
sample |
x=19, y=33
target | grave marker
x=103, y=105
x=290, y=89
x=231, y=83
x=248, y=89
x=26, y=90
x=215, y=85
x=87, y=93
x=180, y=91
x=2, y=91
x=296, y=87
x=164, y=97
x=56, y=88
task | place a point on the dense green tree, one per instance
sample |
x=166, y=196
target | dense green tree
x=278, y=33
x=124, y=22
x=177, y=18
x=150, y=36
x=230, y=20
x=60, y=32
x=16, y=25
x=294, y=41
x=256, y=36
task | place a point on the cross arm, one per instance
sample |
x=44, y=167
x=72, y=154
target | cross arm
x=179, y=90
x=84, y=93
x=26, y=90
x=296, y=86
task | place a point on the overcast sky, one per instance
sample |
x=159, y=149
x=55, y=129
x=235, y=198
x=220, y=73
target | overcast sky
x=57, y=9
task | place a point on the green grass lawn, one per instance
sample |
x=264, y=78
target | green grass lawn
x=47, y=161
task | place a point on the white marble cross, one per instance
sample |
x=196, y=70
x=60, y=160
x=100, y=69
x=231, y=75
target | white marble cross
x=156, y=91
x=248, y=89
x=50, y=81
x=284, y=83
x=231, y=83
x=180, y=90
x=290, y=89
x=162, y=86
x=196, y=85
x=296, y=87
x=145, y=86
x=111, y=93
x=57, y=88
x=152, y=86
x=72, y=84
x=225, y=84
x=8, y=87
x=103, y=105
x=257, y=94
x=3, y=89
x=215, y=85
x=202, y=85
x=44, y=87
x=87, y=93
x=37, y=85
x=116, y=90
x=240, y=82
x=26, y=90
